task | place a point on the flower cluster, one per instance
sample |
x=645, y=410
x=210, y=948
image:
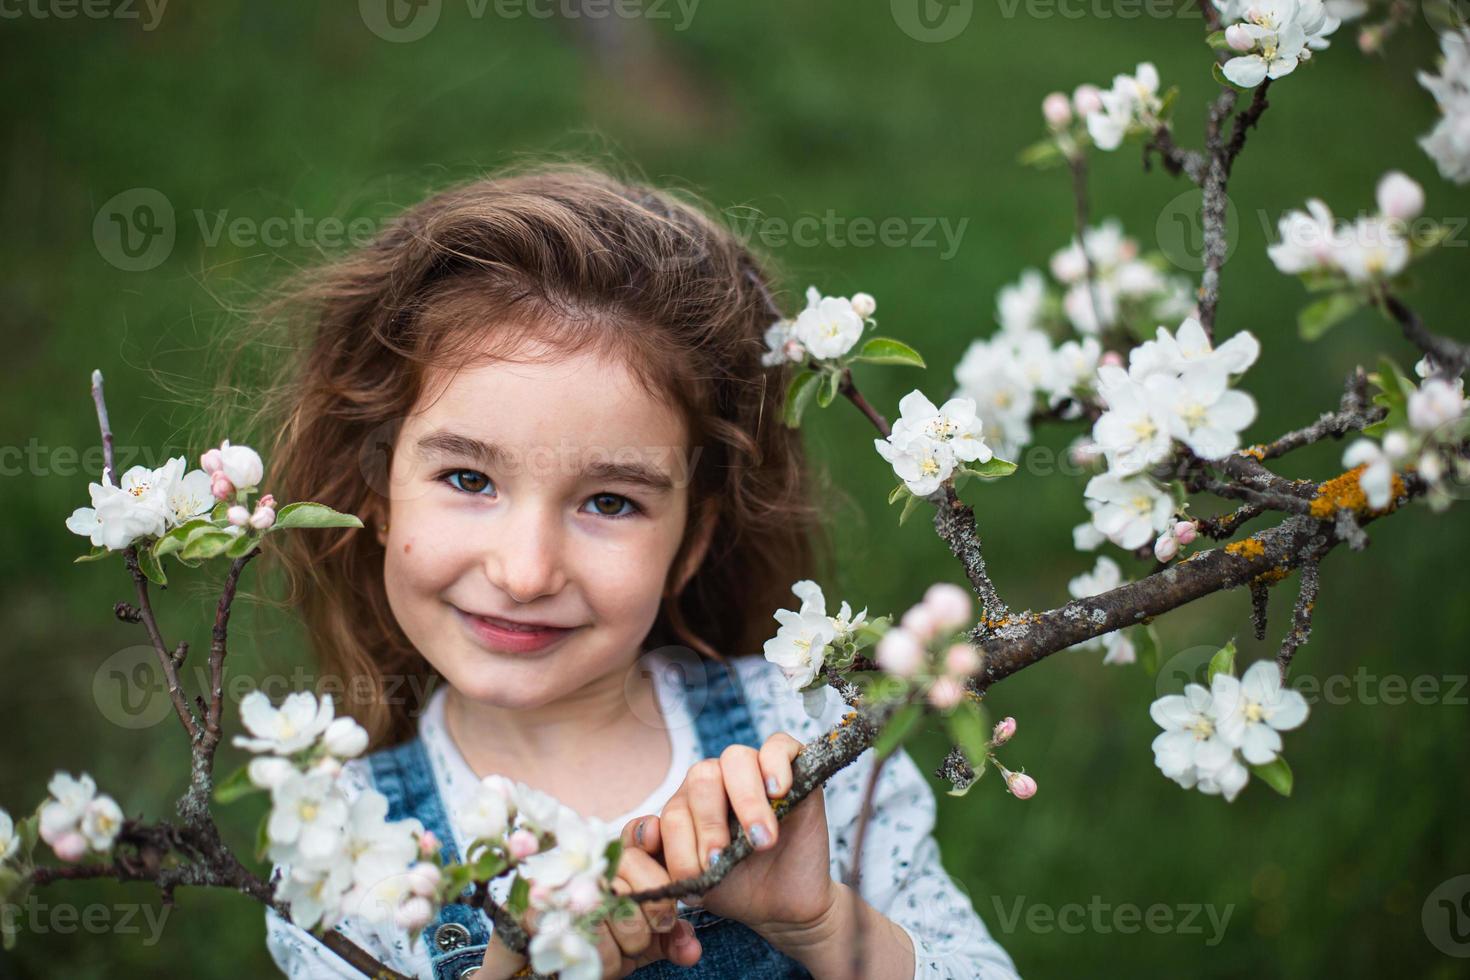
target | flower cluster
x=827, y=329
x=1133, y=103
x=1210, y=734
x=343, y=857
x=1124, y=287
x=75, y=819
x=926, y=444
x=807, y=637
x=1272, y=37
x=151, y=502
x=1367, y=250
x=1176, y=388
x=567, y=860
x=1105, y=576
x=1433, y=417
x=924, y=645
x=1448, y=143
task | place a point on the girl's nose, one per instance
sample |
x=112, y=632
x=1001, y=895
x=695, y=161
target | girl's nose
x=524, y=557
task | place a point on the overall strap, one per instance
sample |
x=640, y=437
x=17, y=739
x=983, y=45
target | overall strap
x=721, y=711
x=457, y=937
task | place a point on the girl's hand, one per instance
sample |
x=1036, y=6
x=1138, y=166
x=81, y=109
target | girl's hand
x=787, y=884
x=624, y=944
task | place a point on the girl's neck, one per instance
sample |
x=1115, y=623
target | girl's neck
x=535, y=745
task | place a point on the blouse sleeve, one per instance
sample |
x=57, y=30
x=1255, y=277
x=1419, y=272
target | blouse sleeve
x=902, y=874
x=301, y=956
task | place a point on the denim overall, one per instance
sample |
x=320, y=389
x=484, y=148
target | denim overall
x=458, y=937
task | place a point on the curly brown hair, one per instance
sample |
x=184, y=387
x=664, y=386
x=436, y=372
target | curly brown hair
x=572, y=257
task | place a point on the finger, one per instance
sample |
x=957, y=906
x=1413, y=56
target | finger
x=710, y=808
x=629, y=927
x=641, y=872
x=500, y=962
x=680, y=847
x=643, y=833
x=609, y=954
x=680, y=947
x=741, y=767
x=775, y=758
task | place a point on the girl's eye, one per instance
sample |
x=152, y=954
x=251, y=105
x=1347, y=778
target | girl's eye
x=474, y=482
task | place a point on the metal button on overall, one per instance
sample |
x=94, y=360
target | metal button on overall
x=451, y=935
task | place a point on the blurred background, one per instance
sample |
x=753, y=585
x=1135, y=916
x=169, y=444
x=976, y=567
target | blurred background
x=235, y=142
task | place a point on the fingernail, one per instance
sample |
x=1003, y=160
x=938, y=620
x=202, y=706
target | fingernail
x=773, y=787
x=638, y=833
x=686, y=934
x=665, y=923
x=714, y=855
x=758, y=834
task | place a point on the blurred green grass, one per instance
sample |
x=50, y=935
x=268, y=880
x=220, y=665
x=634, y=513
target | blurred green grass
x=267, y=110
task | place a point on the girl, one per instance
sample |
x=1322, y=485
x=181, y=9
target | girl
x=544, y=392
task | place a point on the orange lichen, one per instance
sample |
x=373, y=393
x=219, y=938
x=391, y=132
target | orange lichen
x=1345, y=492
x=1249, y=548
x=1272, y=576
x=1257, y=451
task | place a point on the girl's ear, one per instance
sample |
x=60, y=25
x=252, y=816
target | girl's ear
x=704, y=532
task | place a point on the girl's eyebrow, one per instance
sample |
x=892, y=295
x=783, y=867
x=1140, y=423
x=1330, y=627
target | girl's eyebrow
x=442, y=442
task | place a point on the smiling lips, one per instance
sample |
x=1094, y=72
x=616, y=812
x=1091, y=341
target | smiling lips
x=513, y=637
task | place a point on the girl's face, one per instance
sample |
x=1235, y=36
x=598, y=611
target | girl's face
x=550, y=493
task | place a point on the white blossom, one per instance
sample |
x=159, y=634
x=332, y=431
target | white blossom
x=308, y=818
x=1019, y=306
x=344, y=738
x=829, y=326
x=296, y=724
x=1134, y=432
x=1133, y=99
x=800, y=645
x=581, y=849
x=1133, y=510
x=1376, y=479
x=1448, y=143
x=559, y=948
x=1191, y=750
x=9, y=839
x=926, y=443
x=1104, y=577
x=1284, y=33
x=1203, y=412
x=782, y=345
x=1436, y=403
x=488, y=812
x=315, y=893
x=1253, y=710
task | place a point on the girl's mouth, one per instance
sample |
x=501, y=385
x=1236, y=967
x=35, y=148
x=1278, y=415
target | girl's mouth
x=508, y=637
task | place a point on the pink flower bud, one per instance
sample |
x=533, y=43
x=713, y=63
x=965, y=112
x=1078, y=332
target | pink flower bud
x=268, y=500
x=263, y=518
x=1186, y=531
x=540, y=893
x=1004, y=729
x=1022, y=786
x=220, y=486
x=1400, y=197
x=900, y=653
x=212, y=461
x=946, y=692
x=1111, y=358
x=1370, y=40
x=1239, y=38
x=1083, y=452
x=424, y=878
x=428, y=844
x=1056, y=110
x=864, y=305
x=919, y=621
x=70, y=847
x=961, y=660
x=522, y=844
x=1166, y=547
x=583, y=895
x=238, y=515
x=949, y=605
x=1087, y=99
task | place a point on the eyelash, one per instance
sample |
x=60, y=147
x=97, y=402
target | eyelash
x=447, y=478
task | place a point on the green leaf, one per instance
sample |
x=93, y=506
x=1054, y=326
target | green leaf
x=234, y=786
x=1041, y=155
x=871, y=631
x=967, y=729
x=1315, y=319
x=304, y=513
x=175, y=539
x=206, y=543
x=1216, y=40
x=1219, y=73
x=899, y=727
x=1223, y=662
x=220, y=515
x=149, y=564
x=994, y=469
x=908, y=508
x=1275, y=774
x=27, y=830
x=1146, y=643
x=98, y=551
x=614, y=852
x=488, y=864
x=262, y=837
x=828, y=390
x=519, y=898
x=893, y=495
x=242, y=545
x=886, y=350
x=799, y=395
